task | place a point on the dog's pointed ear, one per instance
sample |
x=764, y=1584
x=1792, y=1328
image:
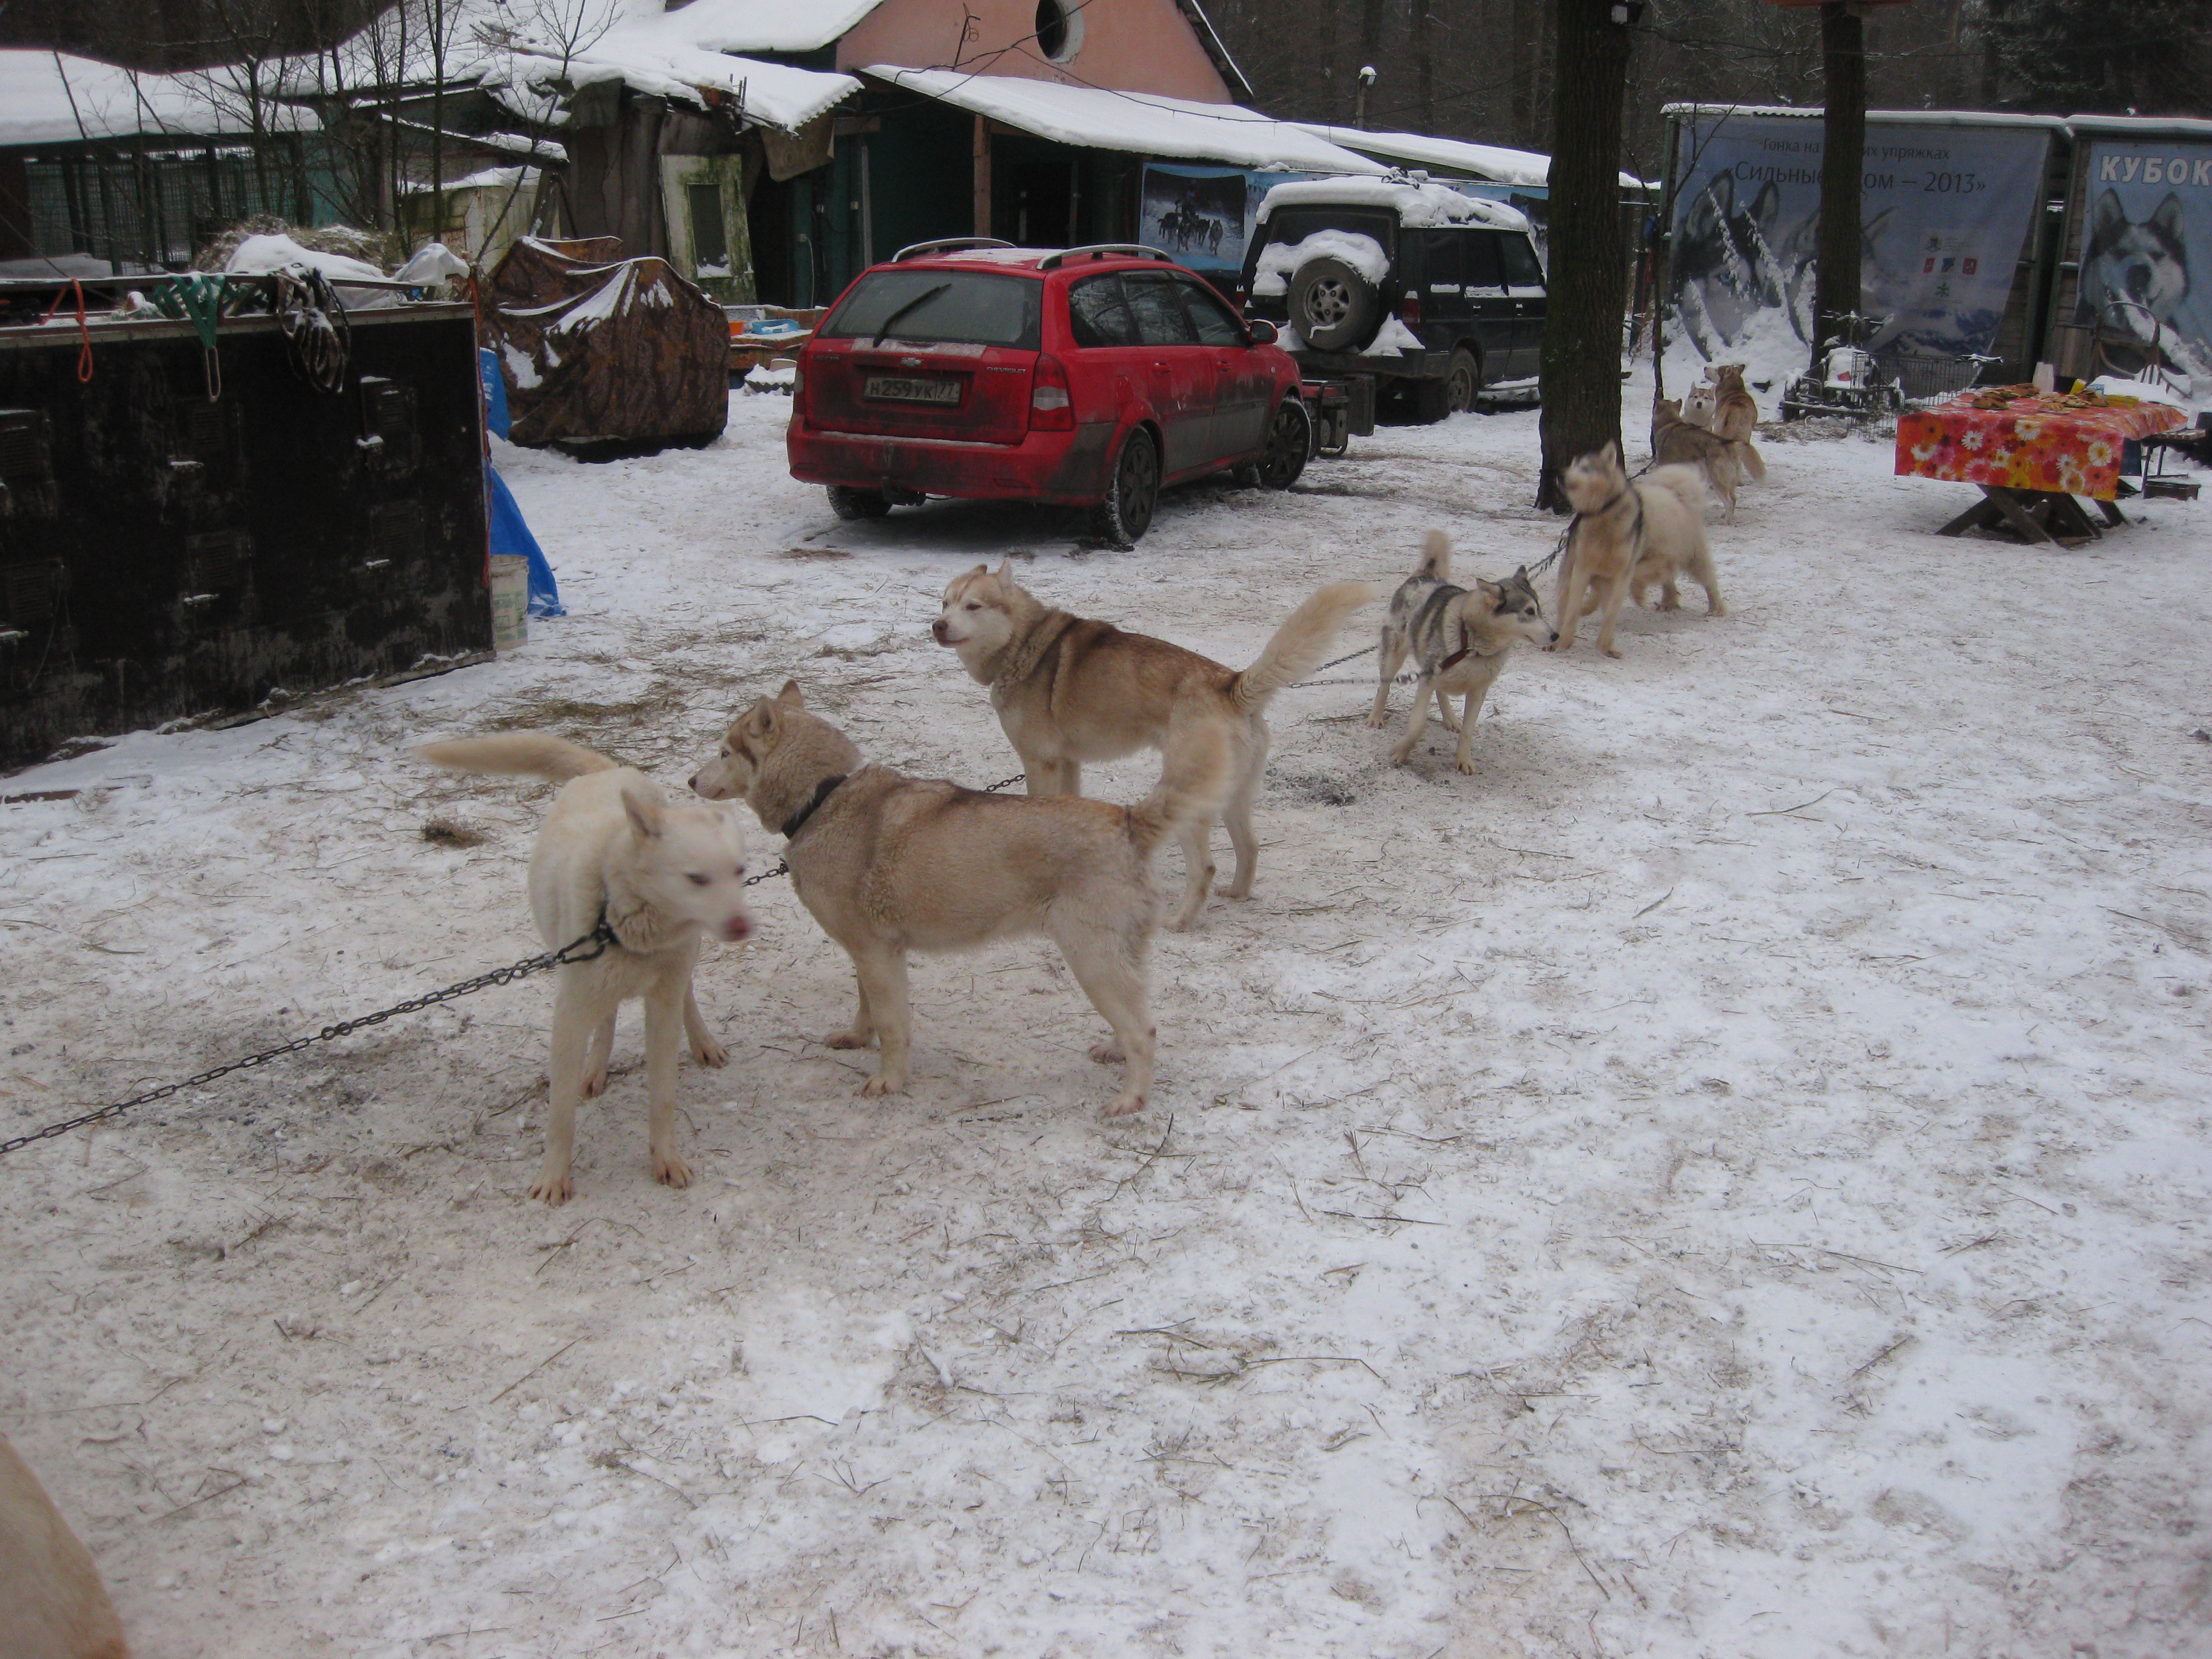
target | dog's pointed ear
x=760, y=719
x=1521, y=575
x=791, y=695
x=1611, y=453
x=647, y=813
x=1005, y=573
x=2109, y=219
x=2167, y=220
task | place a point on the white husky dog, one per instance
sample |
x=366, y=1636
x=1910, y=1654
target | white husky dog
x=613, y=850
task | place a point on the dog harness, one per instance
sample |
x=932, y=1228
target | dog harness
x=1466, y=650
x=823, y=791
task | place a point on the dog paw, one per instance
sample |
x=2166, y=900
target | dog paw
x=1107, y=1053
x=848, y=1039
x=553, y=1189
x=1716, y=609
x=1450, y=722
x=881, y=1084
x=1376, y=722
x=595, y=1084
x=1126, y=1106
x=710, y=1052
x=1466, y=768
x=1399, y=751
x=670, y=1170
x=1611, y=650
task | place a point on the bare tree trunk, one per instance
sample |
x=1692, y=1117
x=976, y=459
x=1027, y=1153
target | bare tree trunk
x=1526, y=23
x=1425, y=66
x=1843, y=163
x=1582, y=328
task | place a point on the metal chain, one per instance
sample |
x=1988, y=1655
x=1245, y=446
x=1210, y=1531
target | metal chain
x=597, y=939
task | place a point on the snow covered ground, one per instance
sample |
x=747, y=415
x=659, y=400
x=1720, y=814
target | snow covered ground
x=1728, y=1179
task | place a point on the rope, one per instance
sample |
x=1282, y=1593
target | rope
x=84, y=333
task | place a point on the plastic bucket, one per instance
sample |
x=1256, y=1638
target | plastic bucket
x=510, y=601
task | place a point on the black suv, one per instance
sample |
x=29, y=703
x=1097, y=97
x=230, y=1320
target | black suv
x=1437, y=295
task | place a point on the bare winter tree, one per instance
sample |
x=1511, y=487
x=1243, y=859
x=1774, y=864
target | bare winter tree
x=1583, y=323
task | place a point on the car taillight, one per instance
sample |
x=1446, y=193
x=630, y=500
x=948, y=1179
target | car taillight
x=798, y=390
x=1051, y=408
x=1411, y=310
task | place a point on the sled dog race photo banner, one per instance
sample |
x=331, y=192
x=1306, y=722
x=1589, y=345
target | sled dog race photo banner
x=1203, y=215
x=1946, y=213
x=2149, y=205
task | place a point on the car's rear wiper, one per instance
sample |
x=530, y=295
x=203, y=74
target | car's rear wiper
x=884, y=328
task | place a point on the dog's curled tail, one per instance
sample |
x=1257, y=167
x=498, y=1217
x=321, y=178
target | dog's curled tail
x=1296, y=650
x=524, y=754
x=1747, y=457
x=1436, y=558
x=1194, y=785
x=1686, y=484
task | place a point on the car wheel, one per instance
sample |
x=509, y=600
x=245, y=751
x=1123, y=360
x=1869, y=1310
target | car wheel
x=1334, y=307
x=1132, y=494
x=1463, y=381
x=849, y=504
x=1289, y=441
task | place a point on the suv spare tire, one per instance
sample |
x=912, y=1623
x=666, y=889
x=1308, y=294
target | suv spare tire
x=1333, y=307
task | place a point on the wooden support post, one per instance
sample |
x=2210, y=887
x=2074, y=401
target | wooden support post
x=983, y=176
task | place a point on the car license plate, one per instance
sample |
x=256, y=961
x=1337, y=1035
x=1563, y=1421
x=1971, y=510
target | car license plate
x=902, y=389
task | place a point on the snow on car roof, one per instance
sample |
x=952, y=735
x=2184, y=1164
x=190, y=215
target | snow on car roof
x=1141, y=124
x=1415, y=198
x=1490, y=161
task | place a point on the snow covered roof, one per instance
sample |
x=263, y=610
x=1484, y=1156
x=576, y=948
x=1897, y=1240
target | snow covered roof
x=1491, y=162
x=752, y=25
x=1143, y=124
x=51, y=97
x=652, y=56
x=1415, y=201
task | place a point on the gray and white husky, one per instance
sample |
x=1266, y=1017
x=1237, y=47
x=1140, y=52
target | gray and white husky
x=1459, y=637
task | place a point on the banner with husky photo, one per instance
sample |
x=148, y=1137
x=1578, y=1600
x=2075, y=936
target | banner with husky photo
x=1946, y=211
x=2149, y=206
x=1203, y=215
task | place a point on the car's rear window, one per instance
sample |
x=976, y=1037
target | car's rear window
x=973, y=307
x=1292, y=225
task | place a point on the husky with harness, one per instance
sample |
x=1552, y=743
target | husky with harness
x=1458, y=637
x=1626, y=535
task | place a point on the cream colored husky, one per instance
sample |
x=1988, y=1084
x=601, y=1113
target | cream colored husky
x=52, y=1605
x=890, y=864
x=1070, y=689
x=613, y=850
x=1627, y=534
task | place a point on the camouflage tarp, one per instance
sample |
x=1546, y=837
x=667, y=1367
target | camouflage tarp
x=597, y=348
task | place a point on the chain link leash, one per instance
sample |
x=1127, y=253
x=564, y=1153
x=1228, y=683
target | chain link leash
x=592, y=944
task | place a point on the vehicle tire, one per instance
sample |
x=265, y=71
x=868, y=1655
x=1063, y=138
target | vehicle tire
x=1431, y=400
x=1131, y=493
x=1290, y=443
x=1333, y=307
x=1463, y=381
x=848, y=502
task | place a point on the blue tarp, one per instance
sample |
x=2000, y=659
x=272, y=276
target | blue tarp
x=509, y=534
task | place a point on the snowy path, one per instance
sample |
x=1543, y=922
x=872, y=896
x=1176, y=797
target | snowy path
x=1730, y=1178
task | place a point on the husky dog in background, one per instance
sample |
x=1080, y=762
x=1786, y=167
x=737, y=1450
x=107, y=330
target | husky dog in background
x=1701, y=406
x=2137, y=276
x=613, y=850
x=1459, y=636
x=1070, y=689
x=890, y=864
x=1676, y=442
x=1627, y=535
x=1736, y=414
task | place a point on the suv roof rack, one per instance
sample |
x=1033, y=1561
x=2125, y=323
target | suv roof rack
x=1100, y=250
x=946, y=245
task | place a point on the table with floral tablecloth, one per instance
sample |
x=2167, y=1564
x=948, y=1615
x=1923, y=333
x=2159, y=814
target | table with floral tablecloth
x=2027, y=451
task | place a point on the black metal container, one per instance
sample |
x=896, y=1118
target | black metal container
x=166, y=555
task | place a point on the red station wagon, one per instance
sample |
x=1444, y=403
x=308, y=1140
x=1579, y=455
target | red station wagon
x=1089, y=376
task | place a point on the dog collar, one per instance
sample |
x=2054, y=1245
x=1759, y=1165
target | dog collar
x=1466, y=650
x=823, y=791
